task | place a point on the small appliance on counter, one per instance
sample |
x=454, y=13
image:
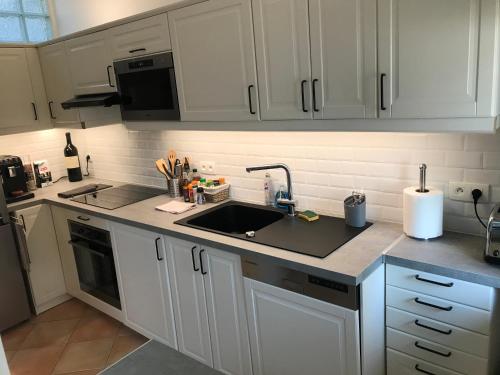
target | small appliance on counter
x=13, y=179
x=423, y=210
x=492, y=253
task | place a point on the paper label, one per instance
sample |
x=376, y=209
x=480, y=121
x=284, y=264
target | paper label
x=71, y=162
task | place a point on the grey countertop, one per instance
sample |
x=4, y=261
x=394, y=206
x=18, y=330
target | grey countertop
x=349, y=264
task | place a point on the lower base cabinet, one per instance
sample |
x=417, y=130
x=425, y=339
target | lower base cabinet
x=294, y=334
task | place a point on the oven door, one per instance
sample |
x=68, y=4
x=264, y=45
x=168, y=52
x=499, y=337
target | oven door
x=147, y=88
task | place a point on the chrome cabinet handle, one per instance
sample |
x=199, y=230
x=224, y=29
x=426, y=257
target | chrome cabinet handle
x=448, y=332
x=192, y=258
x=448, y=308
x=203, y=272
x=250, y=104
x=418, y=345
x=302, y=84
x=419, y=278
x=157, y=250
x=50, y=110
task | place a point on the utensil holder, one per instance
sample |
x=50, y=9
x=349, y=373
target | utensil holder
x=355, y=212
x=174, y=188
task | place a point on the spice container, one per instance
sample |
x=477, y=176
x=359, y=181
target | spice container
x=200, y=195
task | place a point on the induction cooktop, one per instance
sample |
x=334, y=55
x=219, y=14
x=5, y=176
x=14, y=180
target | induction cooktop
x=120, y=196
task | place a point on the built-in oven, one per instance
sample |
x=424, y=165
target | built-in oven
x=147, y=88
x=94, y=262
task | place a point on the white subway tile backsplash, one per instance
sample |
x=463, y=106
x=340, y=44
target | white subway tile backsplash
x=491, y=160
x=463, y=159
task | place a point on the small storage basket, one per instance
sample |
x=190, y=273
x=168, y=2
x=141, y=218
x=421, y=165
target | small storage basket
x=215, y=194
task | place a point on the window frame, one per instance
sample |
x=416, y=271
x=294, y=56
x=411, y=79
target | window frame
x=22, y=14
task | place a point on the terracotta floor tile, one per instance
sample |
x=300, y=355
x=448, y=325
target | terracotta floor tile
x=125, y=331
x=39, y=361
x=10, y=354
x=50, y=333
x=94, y=327
x=14, y=337
x=124, y=345
x=72, y=309
x=88, y=355
x=88, y=372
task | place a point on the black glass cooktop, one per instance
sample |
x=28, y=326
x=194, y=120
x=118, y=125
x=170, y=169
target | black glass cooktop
x=119, y=196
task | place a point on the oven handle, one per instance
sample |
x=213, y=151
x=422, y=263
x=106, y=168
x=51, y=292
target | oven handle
x=93, y=252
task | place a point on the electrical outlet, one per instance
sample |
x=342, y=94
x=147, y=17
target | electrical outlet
x=207, y=167
x=462, y=191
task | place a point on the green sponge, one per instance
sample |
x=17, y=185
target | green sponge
x=308, y=215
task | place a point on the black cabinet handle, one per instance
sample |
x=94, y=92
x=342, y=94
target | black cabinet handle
x=34, y=111
x=137, y=50
x=50, y=110
x=192, y=258
x=158, y=250
x=448, y=332
x=448, y=285
x=417, y=367
x=302, y=84
x=382, y=80
x=201, y=262
x=315, y=107
x=23, y=222
x=449, y=308
x=418, y=345
x=109, y=75
x=250, y=104
x=83, y=218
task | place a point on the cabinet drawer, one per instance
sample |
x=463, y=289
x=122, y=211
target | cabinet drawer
x=471, y=294
x=87, y=219
x=402, y=364
x=438, y=354
x=467, y=317
x=438, y=332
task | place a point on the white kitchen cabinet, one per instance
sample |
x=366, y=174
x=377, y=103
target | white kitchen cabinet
x=283, y=58
x=141, y=37
x=22, y=98
x=91, y=64
x=436, y=58
x=45, y=271
x=58, y=83
x=209, y=306
x=294, y=334
x=142, y=273
x=214, y=56
x=344, y=58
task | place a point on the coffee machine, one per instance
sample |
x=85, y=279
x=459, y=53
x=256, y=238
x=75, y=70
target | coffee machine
x=13, y=179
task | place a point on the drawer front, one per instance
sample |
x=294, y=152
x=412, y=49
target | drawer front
x=437, y=354
x=463, y=292
x=87, y=219
x=402, y=364
x=467, y=317
x=438, y=332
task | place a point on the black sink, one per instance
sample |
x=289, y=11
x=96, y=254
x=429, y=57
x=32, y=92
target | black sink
x=236, y=218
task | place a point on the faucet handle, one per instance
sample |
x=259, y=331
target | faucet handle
x=286, y=202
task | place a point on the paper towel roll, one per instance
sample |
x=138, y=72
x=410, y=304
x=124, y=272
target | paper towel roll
x=423, y=212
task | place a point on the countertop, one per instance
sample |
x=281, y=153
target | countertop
x=350, y=264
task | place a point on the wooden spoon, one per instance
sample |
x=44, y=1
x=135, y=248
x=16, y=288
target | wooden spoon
x=161, y=165
x=172, y=157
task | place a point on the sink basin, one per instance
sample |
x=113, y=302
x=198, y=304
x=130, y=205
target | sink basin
x=235, y=218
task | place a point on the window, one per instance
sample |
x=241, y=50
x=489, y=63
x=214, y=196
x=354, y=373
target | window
x=24, y=21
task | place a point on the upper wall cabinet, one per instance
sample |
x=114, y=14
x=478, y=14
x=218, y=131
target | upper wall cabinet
x=58, y=83
x=91, y=64
x=141, y=37
x=437, y=58
x=329, y=74
x=214, y=59
x=22, y=97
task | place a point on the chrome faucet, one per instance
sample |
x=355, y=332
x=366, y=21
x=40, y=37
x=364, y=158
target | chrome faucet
x=288, y=202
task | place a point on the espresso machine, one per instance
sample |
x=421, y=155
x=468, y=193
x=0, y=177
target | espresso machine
x=13, y=179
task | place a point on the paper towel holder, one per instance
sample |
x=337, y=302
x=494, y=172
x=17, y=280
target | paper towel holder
x=423, y=176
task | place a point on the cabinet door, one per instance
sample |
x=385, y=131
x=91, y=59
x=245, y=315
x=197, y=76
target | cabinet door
x=45, y=274
x=344, y=58
x=58, y=83
x=141, y=37
x=188, y=295
x=293, y=334
x=283, y=58
x=226, y=312
x=146, y=293
x=90, y=64
x=428, y=53
x=214, y=59
x=17, y=101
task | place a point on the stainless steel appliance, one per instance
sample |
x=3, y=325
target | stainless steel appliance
x=147, y=88
x=14, y=295
x=492, y=253
x=13, y=179
x=94, y=262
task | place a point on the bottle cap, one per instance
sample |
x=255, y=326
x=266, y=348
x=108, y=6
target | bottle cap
x=200, y=189
x=222, y=180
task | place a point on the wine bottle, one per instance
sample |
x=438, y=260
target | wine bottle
x=72, y=161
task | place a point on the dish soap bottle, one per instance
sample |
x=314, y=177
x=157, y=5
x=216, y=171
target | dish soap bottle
x=268, y=190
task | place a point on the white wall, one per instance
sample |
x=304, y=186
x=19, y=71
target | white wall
x=76, y=15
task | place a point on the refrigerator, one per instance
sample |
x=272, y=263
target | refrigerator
x=15, y=299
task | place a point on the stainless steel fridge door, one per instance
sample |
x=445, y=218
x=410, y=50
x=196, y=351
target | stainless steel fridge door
x=14, y=303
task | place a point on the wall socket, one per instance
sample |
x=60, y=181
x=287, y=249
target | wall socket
x=462, y=191
x=207, y=167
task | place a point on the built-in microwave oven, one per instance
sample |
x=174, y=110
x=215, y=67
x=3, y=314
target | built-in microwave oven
x=147, y=88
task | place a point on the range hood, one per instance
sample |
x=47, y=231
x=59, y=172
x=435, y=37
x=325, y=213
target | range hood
x=93, y=100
